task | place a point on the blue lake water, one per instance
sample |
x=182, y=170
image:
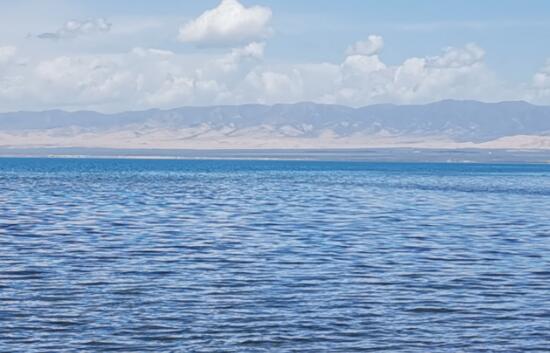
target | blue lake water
x=273, y=256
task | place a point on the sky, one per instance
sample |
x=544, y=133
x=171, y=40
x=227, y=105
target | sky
x=131, y=55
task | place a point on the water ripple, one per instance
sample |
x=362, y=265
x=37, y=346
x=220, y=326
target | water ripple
x=213, y=256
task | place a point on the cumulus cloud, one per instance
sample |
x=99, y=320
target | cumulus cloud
x=373, y=45
x=457, y=73
x=228, y=24
x=83, y=80
x=275, y=86
x=75, y=28
x=452, y=57
x=139, y=79
x=151, y=77
x=362, y=79
x=213, y=81
x=249, y=53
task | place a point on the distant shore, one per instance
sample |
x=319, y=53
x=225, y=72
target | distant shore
x=363, y=155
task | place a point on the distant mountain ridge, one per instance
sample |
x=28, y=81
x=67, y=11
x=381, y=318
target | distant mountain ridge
x=448, y=123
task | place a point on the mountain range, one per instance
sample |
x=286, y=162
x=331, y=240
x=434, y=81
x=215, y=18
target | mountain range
x=444, y=124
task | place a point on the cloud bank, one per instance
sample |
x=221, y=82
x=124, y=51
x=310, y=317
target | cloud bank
x=150, y=77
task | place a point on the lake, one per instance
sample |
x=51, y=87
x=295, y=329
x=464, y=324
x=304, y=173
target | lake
x=118, y=255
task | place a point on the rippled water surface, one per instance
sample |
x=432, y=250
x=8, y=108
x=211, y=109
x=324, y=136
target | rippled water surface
x=273, y=256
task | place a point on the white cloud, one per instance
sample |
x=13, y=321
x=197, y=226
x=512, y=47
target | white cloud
x=471, y=54
x=275, y=86
x=7, y=54
x=457, y=73
x=11, y=82
x=251, y=53
x=215, y=80
x=362, y=65
x=365, y=79
x=373, y=45
x=151, y=77
x=75, y=28
x=83, y=80
x=143, y=52
x=228, y=24
x=173, y=89
x=252, y=50
x=542, y=78
x=539, y=88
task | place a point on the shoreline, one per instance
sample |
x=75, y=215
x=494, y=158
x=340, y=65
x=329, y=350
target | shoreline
x=403, y=155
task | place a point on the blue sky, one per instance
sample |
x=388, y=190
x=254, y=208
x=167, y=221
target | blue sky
x=512, y=37
x=417, y=27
